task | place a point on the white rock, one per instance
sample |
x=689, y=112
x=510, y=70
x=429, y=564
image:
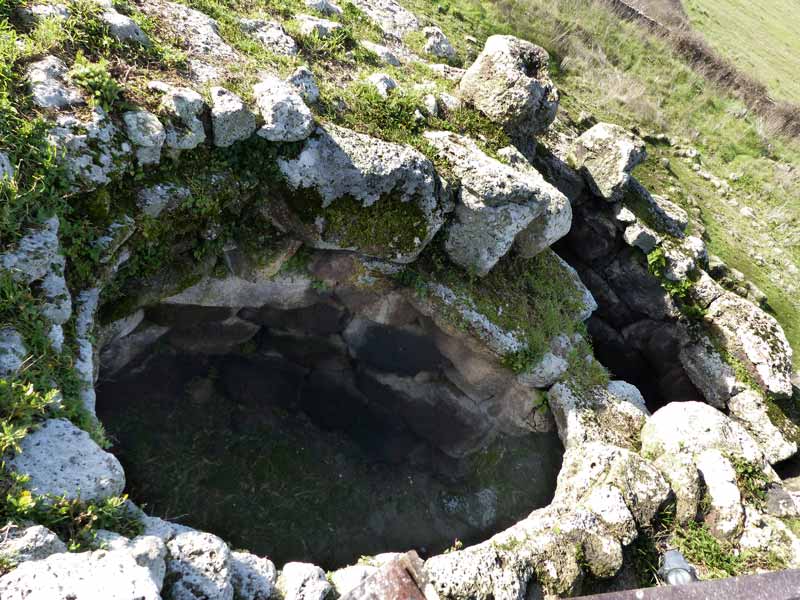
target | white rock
x=253, y=577
x=153, y=200
x=383, y=53
x=684, y=479
x=113, y=575
x=449, y=103
x=323, y=28
x=147, y=134
x=123, y=28
x=606, y=154
x=30, y=15
x=199, y=567
x=185, y=105
x=6, y=168
x=12, y=351
x=750, y=409
x=510, y=84
x=641, y=236
x=608, y=504
x=47, y=79
x=496, y=202
x=325, y=7
x=198, y=31
x=303, y=581
x=286, y=116
x=148, y=551
x=87, y=303
x=437, y=44
x=271, y=34
x=61, y=459
x=303, y=82
x=431, y=105
x=395, y=20
x=382, y=83
x=231, y=120
x=715, y=378
x=19, y=544
x=348, y=578
x=726, y=515
x=57, y=307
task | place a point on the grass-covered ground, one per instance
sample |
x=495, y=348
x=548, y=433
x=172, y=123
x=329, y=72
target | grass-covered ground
x=759, y=37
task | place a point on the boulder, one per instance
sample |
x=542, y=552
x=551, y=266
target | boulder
x=641, y=237
x=111, y=575
x=12, y=351
x=715, y=378
x=147, y=133
x=303, y=82
x=303, y=581
x=321, y=28
x=495, y=204
x=349, y=578
x=19, y=544
x=382, y=52
x=666, y=217
x=510, y=84
x=726, y=514
x=437, y=44
x=613, y=415
x=693, y=428
x=325, y=7
x=271, y=34
x=155, y=199
x=756, y=339
x=49, y=84
x=253, y=577
x=121, y=27
x=286, y=116
x=346, y=190
x=126, y=349
x=199, y=567
x=392, y=18
x=382, y=83
x=606, y=154
x=148, y=551
x=684, y=479
x=750, y=409
x=199, y=31
x=185, y=107
x=231, y=120
x=29, y=16
x=62, y=460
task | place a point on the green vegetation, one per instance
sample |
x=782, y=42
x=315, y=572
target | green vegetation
x=751, y=481
x=95, y=78
x=759, y=37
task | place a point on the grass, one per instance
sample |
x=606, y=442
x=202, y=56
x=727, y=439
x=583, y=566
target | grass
x=760, y=38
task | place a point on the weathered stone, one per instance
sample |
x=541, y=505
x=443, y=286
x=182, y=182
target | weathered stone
x=343, y=170
x=147, y=134
x=666, y=216
x=509, y=83
x=113, y=575
x=185, y=106
x=705, y=290
x=253, y=577
x=614, y=415
x=122, y=27
x=271, y=34
x=6, y=168
x=750, y=409
x=128, y=348
x=87, y=303
x=157, y=198
x=496, y=203
x=756, y=339
x=286, y=116
x=231, y=120
x=218, y=337
x=383, y=53
x=684, y=479
x=714, y=378
x=303, y=581
x=322, y=28
x=303, y=82
x=726, y=514
x=764, y=535
x=148, y=551
x=679, y=264
x=325, y=7
x=346, y=579
x=437, y=44
x=29, y=16
x=606, y=154
x=92, y=150
x=61, y=459
x=638, y=289
x=12, y=351
x=641, y=237
x=382, y=83
x=199, y=31
x=674, y=429
x=390, y=16
x=446, y=71
x=48, y=82
x=23, y=543
x=199, y=567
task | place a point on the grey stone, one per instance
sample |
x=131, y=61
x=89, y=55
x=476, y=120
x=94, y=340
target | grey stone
x=128, y=348
x=382, y=83
x=726, y=514
x=684, y=479
x=47, y=79
x=61, y=459
x=383, y=53
x=185, y=106
x=157, y=198
x=271, y=34
x=496, y=203
x=286, y=116
x=715, y=379
x=147, y=134
x=640, y=236
x=750, y=409
x=253, y=577
x=666, y=216
x=6, y=168
x=395, y=20
x=509, y=83
x=199, y=567
x=148, y=551
x=20, y=543
x=449, y=102
x=12, y=351
x=321, y=28
x=302, y=80
x=31, y=15
x=606, y=154
x=231, y=120
x=303, y=581
x=123, y=28
x=437, y=44
x=325, y=7
x=86, y=303
x=111, y=575
x=349, y=578
x=447, y=72
x=199, y=31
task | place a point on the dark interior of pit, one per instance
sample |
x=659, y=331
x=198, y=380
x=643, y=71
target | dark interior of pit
x=275, y=435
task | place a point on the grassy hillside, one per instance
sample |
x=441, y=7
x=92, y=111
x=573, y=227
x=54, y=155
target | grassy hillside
x=761, y=38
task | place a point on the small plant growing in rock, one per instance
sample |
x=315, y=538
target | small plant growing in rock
x=95, y=78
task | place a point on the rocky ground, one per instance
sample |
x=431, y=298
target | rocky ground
x=378, y=190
